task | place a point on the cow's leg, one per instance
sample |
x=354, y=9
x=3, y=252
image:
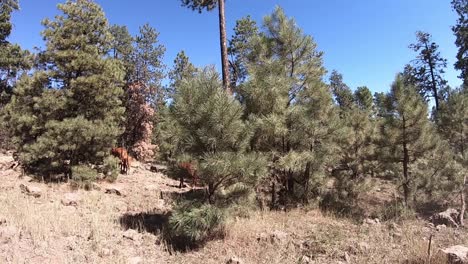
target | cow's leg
x=181, y=182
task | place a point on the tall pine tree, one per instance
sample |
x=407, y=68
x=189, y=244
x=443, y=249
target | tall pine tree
x=70, y=108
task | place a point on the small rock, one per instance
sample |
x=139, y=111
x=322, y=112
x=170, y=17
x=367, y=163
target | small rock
x=135, y=260
x=115, y=190
x=369, y=221
x=440, y=227
x=457, y=254
x=363, y=246
x=346, y=257
x=448, y=217
x=278, y=237
x=305, y=260
x=7, y=234
x=95, y=186
x=71, y=199
x=235, y=260
x=33, y=191
x=105, y=252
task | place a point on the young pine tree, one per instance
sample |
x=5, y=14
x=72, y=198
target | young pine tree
x=70, y=108
x=406, y=135
x=213, y=137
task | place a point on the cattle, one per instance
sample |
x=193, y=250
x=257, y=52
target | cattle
x=125, y=159
x=187, y=170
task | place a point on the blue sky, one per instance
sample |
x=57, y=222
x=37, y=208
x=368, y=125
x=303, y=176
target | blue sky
x=366, y=40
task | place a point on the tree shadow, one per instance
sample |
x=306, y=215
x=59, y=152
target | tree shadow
x=151, y=222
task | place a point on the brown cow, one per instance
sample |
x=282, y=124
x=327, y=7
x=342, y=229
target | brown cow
x=125, y=159
x=187, y=170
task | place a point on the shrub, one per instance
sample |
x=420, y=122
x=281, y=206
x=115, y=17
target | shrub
x=191, y=225
x=83, y=176
x=111, y=168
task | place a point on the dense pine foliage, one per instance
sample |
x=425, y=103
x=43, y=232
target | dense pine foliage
x=283, y=137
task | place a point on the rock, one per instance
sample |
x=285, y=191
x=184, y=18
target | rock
x=457, y=254
x=71, y=199
x=448, y=217
x=363, y=247
x=440, y=227
x=33, y=191
x=369, y=221
x=135, y=260
x=346, y=257
x=105, y=252
x=305, y=260
x=115, y=190
x=7, y=234
x=235, y=260
x=132, y=235
x=278, y=237
x=273, y=237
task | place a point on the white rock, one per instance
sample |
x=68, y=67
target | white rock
x=457, y=254
x=31, y=190
x=71, y=199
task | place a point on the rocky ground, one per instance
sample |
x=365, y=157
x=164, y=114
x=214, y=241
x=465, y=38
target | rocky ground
x=120, y=223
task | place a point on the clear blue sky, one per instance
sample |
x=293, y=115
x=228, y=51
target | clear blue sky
x=366, y=40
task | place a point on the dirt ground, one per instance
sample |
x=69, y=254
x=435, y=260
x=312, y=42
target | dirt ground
x=121, y=222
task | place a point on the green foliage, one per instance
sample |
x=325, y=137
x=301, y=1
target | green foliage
x=83, y=176
x=343, y=94
x=406, y=135
x=461, y=33
x=240, y=49
x=111, y=168
x=428, y=68
x=70, y=108
x=191, y=225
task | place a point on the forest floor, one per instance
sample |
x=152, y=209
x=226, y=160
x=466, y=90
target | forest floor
x=121, y=222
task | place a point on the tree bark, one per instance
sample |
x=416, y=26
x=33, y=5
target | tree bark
x=223, y=42
x=463, y=205
x=433, y=81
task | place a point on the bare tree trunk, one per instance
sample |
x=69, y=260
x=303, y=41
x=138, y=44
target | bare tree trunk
x=463, y=205
x=223, y=42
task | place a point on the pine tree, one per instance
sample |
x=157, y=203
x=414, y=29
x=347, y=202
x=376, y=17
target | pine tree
x=407, y=136
x=213, y=137
x=122, y=49
x=209, y=5
x=13, y=59
x=69, y=109
x=461, y=33
x=283, y=91
x=240, y=49
x=343, y=94
x=428, y=68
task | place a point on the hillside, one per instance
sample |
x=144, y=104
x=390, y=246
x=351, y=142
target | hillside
x=123, y=226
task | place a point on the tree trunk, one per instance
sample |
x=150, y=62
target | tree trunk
x=463, y=205
x=433, y=81
x=223, y=42
x=406, y=188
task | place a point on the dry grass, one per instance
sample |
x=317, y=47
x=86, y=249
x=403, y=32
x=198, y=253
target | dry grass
x=45, y=231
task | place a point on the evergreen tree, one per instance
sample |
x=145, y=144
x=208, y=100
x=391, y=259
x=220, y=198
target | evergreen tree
x=428, y=68
x=209, y=5
x=407, y=136
x=12, y=58
x=213, y=137
x=461, y=33
x=363, y=98
x=122, y=48
x=240, y=49
x=70, y=108
x=343, y=94
x=144, y=93
x=284, y=90
x=181, y=70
